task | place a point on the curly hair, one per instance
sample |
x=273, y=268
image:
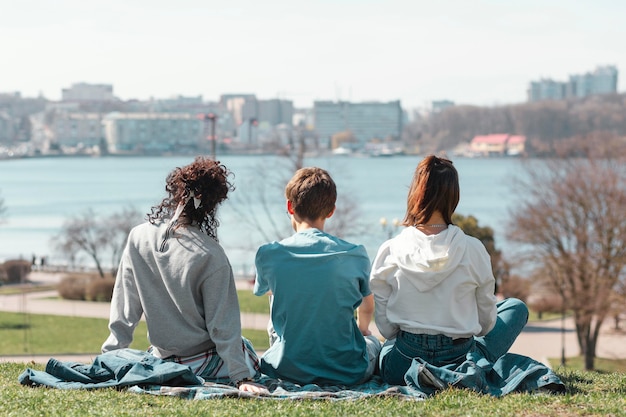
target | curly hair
x=205, y=179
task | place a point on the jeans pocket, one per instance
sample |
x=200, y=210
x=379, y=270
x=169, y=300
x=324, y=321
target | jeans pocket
x=394, y=365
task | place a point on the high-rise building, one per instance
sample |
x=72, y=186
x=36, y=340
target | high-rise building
x=546, y=89
x=153, y=132
x=366, y=121
x=603, y=80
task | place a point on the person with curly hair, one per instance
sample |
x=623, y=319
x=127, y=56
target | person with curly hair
x=175, y=273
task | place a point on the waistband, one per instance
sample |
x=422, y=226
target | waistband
x=425, y=336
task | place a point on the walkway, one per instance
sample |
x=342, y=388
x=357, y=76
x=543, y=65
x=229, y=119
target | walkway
x=540, y=340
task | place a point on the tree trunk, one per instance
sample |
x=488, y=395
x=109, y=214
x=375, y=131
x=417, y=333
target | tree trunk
x=589, y=360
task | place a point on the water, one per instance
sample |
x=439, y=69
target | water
x=40, y=194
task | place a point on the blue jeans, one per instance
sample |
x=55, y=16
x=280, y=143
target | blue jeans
x=397, y=355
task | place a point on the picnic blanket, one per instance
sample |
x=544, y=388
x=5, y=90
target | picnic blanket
x=284, y=390
x=143, y=373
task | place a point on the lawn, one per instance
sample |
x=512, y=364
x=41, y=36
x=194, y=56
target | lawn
x=47, y=334
x=589, y=394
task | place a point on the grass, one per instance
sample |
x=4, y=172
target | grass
x=589, y=394
x=602, y=365
x=47, y=334
x=19, y=289
x=250, y=303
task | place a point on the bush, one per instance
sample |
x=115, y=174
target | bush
x=73, y=287
x=547, y=303
x=99, y=289
x=15, y=271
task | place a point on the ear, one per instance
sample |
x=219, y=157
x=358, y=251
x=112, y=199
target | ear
x=331, y=213
x=289, y=207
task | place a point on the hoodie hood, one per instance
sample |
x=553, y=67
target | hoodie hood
x=426, y=260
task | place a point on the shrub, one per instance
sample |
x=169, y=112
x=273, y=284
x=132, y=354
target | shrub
x=73, y=287
x=15, y=271
x=99, y=289
x=547, y=303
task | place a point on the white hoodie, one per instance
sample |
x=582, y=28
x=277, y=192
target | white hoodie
x=433, y=284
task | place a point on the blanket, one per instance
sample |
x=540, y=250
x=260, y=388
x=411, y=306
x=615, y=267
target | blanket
x=143, y=373
x=284, y=390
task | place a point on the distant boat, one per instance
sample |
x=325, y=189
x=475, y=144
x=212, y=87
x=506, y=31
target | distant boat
x=386, y=151
x=342, y=151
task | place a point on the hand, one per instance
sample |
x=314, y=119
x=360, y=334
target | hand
x=253, y=387
x=366, y=332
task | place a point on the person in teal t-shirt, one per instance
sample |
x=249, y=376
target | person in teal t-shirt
x=316, y=281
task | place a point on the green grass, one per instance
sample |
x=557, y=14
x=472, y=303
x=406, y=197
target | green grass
x=19, y=289
x=589, y=394
x=47, y=334
x=250, y=303
x=602, y=365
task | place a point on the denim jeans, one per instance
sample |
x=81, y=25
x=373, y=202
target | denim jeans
x=397, y=354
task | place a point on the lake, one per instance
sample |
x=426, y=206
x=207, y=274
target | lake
x=41, y=193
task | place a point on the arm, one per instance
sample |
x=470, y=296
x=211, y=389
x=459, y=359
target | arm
x=364, y=314
x=379, y=284
x=223, y=323
x=126, y=309
x=261, y=286
x=485, y=297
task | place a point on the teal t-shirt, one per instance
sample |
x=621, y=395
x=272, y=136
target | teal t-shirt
x=317, y=281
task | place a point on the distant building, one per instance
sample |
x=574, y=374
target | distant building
x=546, y=89
x=603, y=80
x=6, y=127
x=497, y=144
x=366, y=121
x=439, y=105
x=153, y=132
x=88, y=92
x=275, y=112
x=76, y=129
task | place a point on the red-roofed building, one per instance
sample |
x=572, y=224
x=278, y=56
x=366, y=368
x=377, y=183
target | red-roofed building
x=497, y=144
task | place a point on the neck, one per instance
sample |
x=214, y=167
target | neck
x=300, y=225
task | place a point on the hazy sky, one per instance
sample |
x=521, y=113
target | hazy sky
x=469, y=51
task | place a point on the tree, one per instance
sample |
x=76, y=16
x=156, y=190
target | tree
x=469, y=225
x=3, y=210
x=570, y=220
x=87, y=233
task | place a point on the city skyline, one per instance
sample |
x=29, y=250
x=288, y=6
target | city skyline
x=482, y=52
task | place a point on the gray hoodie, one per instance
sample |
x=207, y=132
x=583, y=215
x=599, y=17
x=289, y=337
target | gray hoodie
x=433, y=284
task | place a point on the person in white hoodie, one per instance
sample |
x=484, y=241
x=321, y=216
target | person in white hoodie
x=434, y=287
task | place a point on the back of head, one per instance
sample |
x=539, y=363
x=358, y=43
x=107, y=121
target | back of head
x=200, y=186
x=312, y=193
x=435, y=187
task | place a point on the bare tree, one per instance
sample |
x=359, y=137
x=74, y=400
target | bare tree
x=3, y=210
x=570, y=220
x=97, y=238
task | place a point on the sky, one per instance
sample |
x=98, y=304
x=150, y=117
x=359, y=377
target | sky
x=480, y=52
